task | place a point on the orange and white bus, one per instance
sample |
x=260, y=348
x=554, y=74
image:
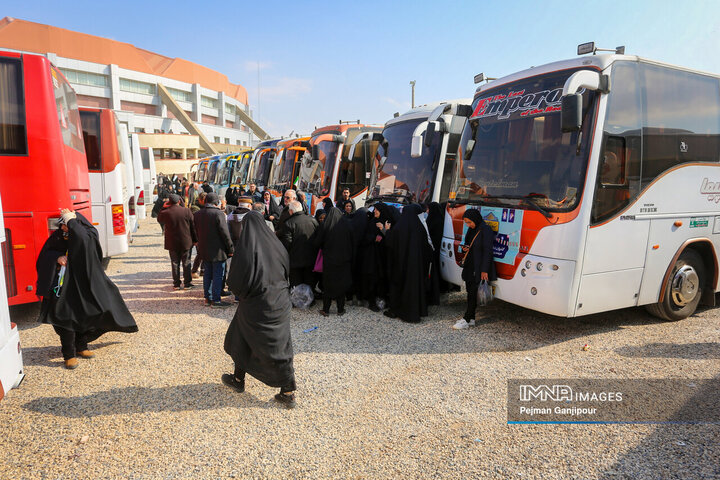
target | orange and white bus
x=108, y=178
x=42, y=163
x=331, y=168
x=285, y=168
x=602, y=176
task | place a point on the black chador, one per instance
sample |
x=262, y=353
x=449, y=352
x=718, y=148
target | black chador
x=258, y=339
x=88, y=302
x=409, y=255
x=334, y=237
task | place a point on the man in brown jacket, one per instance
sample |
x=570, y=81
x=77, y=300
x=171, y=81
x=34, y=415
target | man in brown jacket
x=180, y=236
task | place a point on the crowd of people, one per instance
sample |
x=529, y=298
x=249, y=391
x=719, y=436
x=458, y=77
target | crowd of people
x=380, y=257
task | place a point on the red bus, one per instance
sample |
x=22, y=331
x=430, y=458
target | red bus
x=42, y=163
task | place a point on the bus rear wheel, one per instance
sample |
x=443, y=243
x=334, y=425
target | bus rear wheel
x=683, y=289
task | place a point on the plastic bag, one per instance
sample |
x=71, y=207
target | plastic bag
x=484, y=293
x=301, y=296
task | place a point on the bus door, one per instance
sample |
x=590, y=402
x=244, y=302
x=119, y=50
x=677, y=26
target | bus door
x=616, y=240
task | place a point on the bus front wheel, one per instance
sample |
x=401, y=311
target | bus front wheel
x=683, y=289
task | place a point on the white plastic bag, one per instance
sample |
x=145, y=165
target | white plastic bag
x=484, y=293
x=302, y=296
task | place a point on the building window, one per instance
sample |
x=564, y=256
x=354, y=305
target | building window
x=139, y=130
x=180, y=95
x=208, y=102
x=137, y=87
x=217, y=139
x=238, y=142
x=227, y=141
x=85, y=78
x=244, y=143
x=230, y=108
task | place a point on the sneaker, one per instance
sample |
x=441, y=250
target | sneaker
x=195, y=275
x=463, y=324
x=189, y=286
x=177, y=288
x=207, y=302
x=225, y=293
x=323, y=312
x=71, y=363
x=221, y=304
x=341, y=312
x=232, y=382
x=85, y=354
x=287, y=400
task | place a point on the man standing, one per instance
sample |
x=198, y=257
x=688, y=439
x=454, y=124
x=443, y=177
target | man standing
x=288, y=197
x=344, y=200
x=214, y=247
x=295, y=235
x=253, y=193
x=180, y=236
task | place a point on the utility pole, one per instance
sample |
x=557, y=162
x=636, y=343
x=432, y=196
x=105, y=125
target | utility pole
x=412, y=85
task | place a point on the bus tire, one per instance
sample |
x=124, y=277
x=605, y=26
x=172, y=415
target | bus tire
x=683, y=289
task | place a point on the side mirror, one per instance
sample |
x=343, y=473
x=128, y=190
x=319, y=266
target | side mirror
x=571, y=115
x=416, y=145
x=429, y=133
x=464, y=110
x=469, y=149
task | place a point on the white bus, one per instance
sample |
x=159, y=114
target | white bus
x=127, y=161
x=108, y=178
x=416, y=156
x=602, y=176
x=11, y=364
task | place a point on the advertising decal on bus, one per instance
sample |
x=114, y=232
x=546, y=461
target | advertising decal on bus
x=507, y=225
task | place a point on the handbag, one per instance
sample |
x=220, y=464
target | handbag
x=462, y=262
x=318, y=262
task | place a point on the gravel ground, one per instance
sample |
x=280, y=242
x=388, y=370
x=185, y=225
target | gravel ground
x=377, y=398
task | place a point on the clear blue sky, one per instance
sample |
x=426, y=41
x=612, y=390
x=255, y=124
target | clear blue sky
x=321, y=62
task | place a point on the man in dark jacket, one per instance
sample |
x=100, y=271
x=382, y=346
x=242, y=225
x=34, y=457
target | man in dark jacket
x=253, y=193
x=345, y=199
x=179, y=238
x=295, y=235
x=214, y=247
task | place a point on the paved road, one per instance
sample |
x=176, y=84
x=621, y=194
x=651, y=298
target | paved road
x=377, y=398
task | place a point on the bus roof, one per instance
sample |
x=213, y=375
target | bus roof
x=424, y=111
x=600, y=62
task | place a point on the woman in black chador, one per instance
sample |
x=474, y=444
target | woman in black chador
x=79, y=300
x=334, y=237
x=409, y=254
x=258, y=339
x=478, y=264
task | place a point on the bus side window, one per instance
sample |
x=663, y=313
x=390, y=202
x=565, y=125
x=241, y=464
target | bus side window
x=13, y=139
x=682, y=119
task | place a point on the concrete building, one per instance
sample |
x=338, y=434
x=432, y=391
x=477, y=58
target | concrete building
x=184, y=109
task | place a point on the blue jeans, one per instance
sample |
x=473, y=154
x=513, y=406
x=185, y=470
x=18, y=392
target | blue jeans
x=213, y=279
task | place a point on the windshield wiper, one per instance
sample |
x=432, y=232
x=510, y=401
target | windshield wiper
x=395, y=195
x=527, y=199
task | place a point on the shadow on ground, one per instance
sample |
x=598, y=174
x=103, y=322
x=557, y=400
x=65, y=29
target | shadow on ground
x=688, y=351
x=129, y=400
x=52, y=356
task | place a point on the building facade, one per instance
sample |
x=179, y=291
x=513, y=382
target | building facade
x=110, y=74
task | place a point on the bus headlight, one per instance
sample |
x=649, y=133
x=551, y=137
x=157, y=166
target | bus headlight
x=528, y=264
x=539, y=266
x=533, y=291
x=523, y=272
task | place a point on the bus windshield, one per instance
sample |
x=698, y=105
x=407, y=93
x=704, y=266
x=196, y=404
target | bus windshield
x=201, y=175
x=223, y=173
x=320, y=176
x=263, y=167
x=284, y=173
x=519, y=150
x=240, y=169
x=401, y=176
x=212, y=171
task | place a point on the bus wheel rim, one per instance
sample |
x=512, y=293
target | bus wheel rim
x=685, y=285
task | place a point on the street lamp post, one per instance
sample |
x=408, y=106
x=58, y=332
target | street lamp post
x=412, y=85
